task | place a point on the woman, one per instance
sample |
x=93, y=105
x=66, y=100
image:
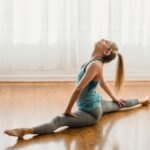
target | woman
x=90, y=104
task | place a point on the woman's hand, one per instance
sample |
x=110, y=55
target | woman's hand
x=70, y=114
x=120, y=102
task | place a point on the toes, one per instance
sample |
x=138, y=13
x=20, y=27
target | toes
x=12, y=133
x=148, y=97
x=5, y=131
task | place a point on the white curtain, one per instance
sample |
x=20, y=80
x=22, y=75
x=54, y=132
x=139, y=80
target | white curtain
x=45, y=37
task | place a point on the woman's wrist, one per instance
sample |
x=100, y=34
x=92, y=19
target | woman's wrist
x=67, y=110
x=114, y=98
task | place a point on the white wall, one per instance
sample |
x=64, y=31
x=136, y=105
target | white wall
x=22, y=62
x=40, y=62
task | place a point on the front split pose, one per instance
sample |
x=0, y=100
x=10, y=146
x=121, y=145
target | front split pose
x=90, y=104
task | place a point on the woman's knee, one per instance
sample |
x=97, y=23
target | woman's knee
x=58, y=120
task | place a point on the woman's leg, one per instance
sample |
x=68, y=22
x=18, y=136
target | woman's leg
x=85, y=119
x=110, y=106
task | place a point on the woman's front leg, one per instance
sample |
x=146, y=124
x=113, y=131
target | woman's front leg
x=110, y=106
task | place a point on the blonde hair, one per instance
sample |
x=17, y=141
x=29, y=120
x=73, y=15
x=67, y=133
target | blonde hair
x=119, y=75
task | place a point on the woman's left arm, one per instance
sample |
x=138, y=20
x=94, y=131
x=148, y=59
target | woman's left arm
x=120, y=102
x=107, y=89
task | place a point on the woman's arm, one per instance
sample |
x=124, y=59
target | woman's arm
x=107, y=89
x=88, y=76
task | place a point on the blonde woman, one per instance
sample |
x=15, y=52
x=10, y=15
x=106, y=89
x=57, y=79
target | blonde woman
x=91, y=106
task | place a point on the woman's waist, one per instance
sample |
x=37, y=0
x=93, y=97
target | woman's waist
x=91, y=98
x=89, y=95
x=88, y=104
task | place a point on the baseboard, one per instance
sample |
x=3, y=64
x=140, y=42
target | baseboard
x=37, y=78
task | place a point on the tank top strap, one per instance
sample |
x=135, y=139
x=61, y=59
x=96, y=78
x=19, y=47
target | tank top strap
x=97, y=58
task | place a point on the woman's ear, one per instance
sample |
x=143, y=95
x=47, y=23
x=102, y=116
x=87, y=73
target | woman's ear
x=106, y=52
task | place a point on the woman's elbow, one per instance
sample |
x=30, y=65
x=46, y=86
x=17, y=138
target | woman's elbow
x=102, y=83
x=78, y=89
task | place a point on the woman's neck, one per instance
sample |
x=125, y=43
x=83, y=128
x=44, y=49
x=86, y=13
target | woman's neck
x=95, y=55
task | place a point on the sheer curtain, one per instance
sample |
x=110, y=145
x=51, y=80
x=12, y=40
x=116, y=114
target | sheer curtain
x=130, y=28
x=50, y=39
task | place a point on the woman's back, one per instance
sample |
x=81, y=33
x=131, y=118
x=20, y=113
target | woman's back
x=88, y=98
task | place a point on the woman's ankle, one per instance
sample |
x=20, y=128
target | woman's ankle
x=145, y=101
x=28, y=130
x=140, y=101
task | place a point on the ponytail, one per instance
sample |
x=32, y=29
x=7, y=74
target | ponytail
x=119, y=78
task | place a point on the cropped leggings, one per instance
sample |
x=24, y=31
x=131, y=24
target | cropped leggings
x=85, y=118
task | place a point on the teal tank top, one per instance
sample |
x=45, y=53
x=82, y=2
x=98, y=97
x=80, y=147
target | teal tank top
x=88, y=98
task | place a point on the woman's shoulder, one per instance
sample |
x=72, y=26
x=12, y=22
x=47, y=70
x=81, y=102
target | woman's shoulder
x=97, y=64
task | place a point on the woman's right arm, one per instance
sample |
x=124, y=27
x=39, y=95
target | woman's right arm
x=88, y=76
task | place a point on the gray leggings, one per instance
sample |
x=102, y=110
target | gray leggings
x=85, y=118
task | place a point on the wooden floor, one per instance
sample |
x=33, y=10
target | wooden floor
x=30, y=104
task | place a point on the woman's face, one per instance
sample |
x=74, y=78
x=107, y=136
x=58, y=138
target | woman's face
x=103, y=45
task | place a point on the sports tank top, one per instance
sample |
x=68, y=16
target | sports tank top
x=89, y=98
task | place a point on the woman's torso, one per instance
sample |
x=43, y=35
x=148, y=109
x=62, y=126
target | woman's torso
x=88, y=98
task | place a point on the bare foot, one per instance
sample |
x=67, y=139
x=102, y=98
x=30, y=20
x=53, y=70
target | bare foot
x=16, y=132
x=146, y=101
